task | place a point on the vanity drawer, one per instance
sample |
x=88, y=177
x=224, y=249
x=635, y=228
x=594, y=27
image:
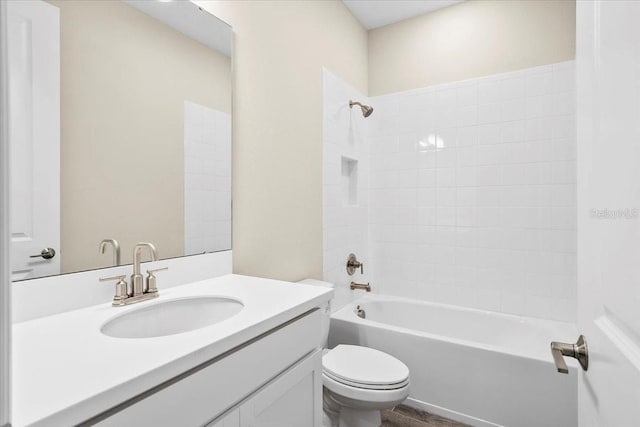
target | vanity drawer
x=202, y=396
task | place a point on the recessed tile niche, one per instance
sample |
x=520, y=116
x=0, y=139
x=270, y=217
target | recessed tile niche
x=349, y=182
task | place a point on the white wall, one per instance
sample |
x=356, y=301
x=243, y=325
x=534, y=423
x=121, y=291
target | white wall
x=473, y=193
x=345, y=185
x=5, y=268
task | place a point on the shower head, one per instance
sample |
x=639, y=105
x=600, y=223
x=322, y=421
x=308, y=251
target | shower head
x=366, y=109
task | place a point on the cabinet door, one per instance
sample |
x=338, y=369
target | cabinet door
x=294, y=399
x=230, y=420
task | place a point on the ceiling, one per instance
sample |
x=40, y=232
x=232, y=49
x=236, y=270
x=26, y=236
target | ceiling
x=189, y=19
x=377, y=13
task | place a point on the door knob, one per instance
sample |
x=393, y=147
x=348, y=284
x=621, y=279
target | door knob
x=577, y=351
x=46, y=253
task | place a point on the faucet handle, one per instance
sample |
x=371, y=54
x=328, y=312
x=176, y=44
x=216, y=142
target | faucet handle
x=151, y=280
x=121, y=288
x=353, y=264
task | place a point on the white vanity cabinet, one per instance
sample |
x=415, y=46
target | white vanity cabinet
x=273, y=380
x=293, y=399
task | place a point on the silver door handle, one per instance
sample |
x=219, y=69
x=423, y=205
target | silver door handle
x=46, y=253
x=578, y=351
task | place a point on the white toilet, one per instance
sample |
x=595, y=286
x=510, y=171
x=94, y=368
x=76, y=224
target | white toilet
x=358, y=381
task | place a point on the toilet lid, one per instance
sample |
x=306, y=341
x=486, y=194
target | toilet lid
x=363, y=366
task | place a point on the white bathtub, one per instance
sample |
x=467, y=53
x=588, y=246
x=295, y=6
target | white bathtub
x=478, y=367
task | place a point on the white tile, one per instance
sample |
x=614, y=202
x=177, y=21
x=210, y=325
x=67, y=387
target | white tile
x=489, y=133
x=467, y=94
x=467, y=136
x=564, y=77
x=539, y=106
x=446, y=98
x=446, y=158
x=563, y=172
x=466, y=216
x=467, y=116
x=426, y=197
x=445, y=177
x=447, y=137
x=513, y=131
x=427, y=178
x=488, y=90
x=466, y=176
x=564, y=103
x=563, y=149
x=489, y=216
x=563, y=195
x=466, y=156
x=512, y=88
x=471, y=188
x=513, y=109
x=426, y=159
x=539, y=84
x=446, y=215
x=488, y=175
x=489, y=113
x=539, y=128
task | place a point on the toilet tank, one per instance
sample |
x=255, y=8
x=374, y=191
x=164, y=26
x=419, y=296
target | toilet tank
x=326, y=315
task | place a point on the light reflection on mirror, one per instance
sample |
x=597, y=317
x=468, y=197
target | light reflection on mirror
x=120, y=117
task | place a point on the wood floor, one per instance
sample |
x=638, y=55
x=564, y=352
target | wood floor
x=404, y=416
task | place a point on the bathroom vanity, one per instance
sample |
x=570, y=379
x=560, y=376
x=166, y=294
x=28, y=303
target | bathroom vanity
x=260, y=364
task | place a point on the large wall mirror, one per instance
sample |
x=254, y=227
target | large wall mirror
x=120, y=117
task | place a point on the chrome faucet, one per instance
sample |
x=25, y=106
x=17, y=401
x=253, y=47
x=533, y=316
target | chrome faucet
x=138, y=292
x=116, y=249
x=137, y=285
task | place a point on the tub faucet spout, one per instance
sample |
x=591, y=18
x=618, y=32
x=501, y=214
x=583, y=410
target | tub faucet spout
x=363, y=286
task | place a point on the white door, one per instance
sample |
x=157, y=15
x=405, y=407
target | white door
x=34, y=136
x=608, y=67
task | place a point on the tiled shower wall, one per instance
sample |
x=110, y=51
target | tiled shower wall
x=473, y=193
x=207, y=179
x=345, y=185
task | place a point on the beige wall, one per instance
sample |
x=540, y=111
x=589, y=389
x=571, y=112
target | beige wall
x=280, y=49
x=470, y=39
x=122, y=127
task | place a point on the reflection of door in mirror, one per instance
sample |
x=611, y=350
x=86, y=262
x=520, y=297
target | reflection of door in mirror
x=34, y=114
x=121, y=130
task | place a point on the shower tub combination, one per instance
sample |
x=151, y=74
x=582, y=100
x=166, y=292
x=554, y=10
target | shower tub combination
x=478, y=367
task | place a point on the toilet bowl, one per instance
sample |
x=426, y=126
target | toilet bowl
x=358, y=381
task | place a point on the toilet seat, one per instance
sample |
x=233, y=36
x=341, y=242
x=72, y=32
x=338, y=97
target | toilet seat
x=364, y=368
x=367, y=386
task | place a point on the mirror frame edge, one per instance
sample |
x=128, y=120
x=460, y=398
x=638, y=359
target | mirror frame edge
x=5, y=281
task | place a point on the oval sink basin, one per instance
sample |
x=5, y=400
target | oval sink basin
x=172, y=317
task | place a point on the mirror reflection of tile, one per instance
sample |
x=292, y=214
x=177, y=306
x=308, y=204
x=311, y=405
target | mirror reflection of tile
x=207, y=189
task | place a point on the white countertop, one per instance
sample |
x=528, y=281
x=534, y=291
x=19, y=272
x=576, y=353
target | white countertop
x=65, y=370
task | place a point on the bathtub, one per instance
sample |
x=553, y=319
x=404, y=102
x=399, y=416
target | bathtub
x=478, y=367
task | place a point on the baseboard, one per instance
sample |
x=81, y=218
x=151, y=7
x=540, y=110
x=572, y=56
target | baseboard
x=448, y=413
